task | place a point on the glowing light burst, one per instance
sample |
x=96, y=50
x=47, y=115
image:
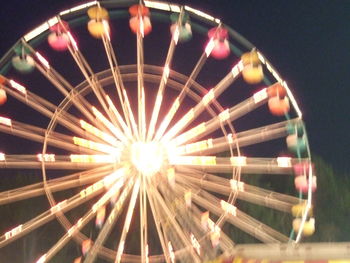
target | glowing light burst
x=166, y=161
x=147, y=157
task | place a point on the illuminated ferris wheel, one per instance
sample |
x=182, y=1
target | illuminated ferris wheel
x=146, y=124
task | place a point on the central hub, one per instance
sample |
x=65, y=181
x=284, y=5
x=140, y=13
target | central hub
x=147, y=157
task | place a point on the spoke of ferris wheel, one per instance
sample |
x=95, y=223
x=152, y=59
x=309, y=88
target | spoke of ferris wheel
x=111, y=220
x=143, y=220
x=113, y=129
x=244, y=191
x=126, y=129
x=115, y=189
x=196, y=216
x=215, y=123
x=161, y=235
x=164, y=79
x=250, y=165
x=140, y=82
x=23, y=95
x=185, y=239
x=63, y=206
x=127, y=222
x=100, y=147
x=123, y=97
x=238, y=218
x=226, y=244
x=167, y=235
x=58, y=162
x=37, y=134
x=55, y=185
x=177, y=102
x=30, y=100
x=245, y=138
x=105, y=137
x=46, y=108
x=61, y=183
x=186, y=218
x=243, y=187
x=207, y=99
x=67, y=90
x=89, y=75
x=60, y=83
x=79, y=101
x=192, y=218
x=66, y=237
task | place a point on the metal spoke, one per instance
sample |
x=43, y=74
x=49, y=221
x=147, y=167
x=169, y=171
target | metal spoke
x=55, y=185
x=63, y=206
x=215, y=123
x=244, y=138
x=111, y=221
x=207, y=99
x=176, y=104
x=246, y=192
x=37, y=134
x=59, y=162
x=123, y=97
x=248, y=165
x=83, y=221
x=127, y=221
x=164, y=79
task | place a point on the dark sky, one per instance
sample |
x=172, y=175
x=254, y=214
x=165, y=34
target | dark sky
x=307, y=41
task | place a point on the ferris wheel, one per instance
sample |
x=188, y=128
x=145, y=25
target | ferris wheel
x=149, y=127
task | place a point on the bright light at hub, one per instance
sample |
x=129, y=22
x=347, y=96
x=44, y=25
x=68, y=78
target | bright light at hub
x=147, y=157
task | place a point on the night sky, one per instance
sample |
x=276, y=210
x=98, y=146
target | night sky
x=307, y=41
